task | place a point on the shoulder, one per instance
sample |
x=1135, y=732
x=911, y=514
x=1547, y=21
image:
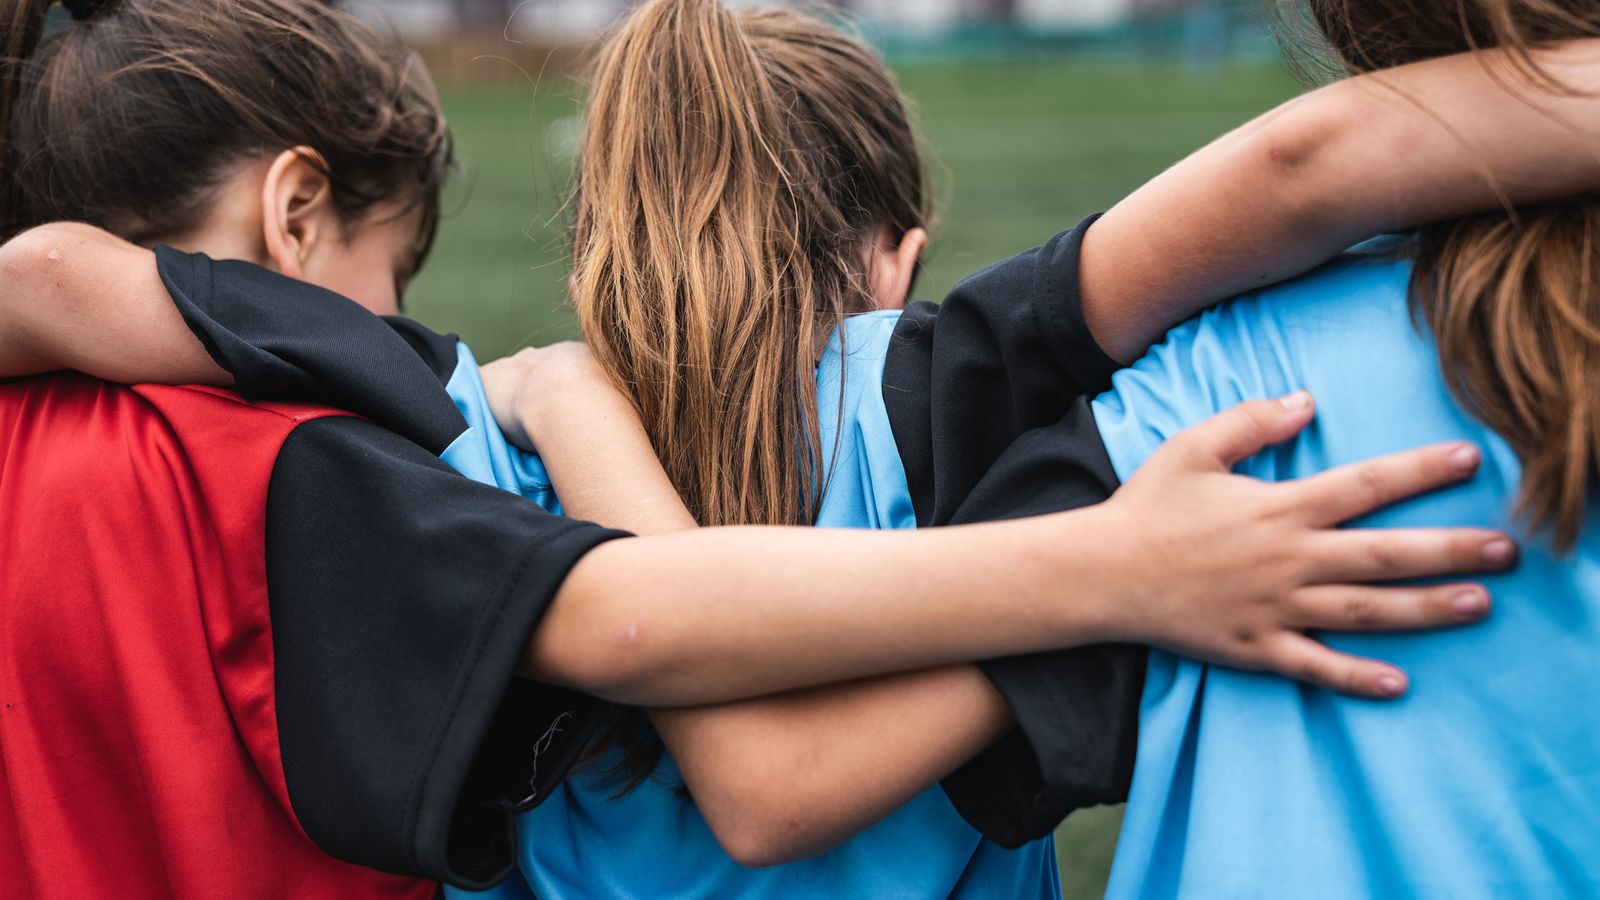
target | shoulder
x=864, y=480
x=1332, y=330
x=873, y=329
x=852, y=363
x=1343, y=299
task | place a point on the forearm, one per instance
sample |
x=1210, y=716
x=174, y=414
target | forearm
x=787, y=776
x=790, y=776
x=753, y=599
x=1365, y=156
x=77, y=298
x=1187, y=557
x=600, y=460
x=728, y=613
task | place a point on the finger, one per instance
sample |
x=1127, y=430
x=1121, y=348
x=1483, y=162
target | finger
x=1349, y=491
x=1243, y=431
x=1376, y=554
x=1303, y=659
x=1351, y=607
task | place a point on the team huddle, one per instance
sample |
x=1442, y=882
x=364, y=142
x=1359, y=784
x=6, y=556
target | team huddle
x=1258, y=502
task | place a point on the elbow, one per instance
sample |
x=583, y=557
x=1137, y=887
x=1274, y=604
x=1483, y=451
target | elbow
x=1284, y=152
x=42, y=248
x=761, y=831
x=596, y=638
x=34, y=262
x=761, y=850
x=1291, y=153
x=760, y=817
x=31, y=255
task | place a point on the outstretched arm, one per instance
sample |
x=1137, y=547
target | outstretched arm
x=777, y=778
x=780, y=777
x=1186, y=556
x=1275, y=197
x=1367, y=155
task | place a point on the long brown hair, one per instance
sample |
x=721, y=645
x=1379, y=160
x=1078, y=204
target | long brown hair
x=132, y=117
x=733, y=170
x=1513, y=300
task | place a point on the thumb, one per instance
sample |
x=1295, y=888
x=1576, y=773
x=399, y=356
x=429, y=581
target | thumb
x=1245, y=430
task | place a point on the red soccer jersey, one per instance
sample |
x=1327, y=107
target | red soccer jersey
x=138, y=726
x=259, y=650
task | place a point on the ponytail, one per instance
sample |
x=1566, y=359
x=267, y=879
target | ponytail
x=732, y=171
x=24, y=29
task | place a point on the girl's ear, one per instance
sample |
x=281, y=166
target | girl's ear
x=892, y=266
x=297, y=209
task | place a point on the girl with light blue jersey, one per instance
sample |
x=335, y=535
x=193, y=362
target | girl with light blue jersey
x=1483, y=781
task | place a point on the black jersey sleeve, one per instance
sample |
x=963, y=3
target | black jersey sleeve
x=402, y=598
x=1077, y=710
x=1006, y=352
x=977, y=389
x=288, y=340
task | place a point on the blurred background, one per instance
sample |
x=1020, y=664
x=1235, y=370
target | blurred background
x=1034, y=114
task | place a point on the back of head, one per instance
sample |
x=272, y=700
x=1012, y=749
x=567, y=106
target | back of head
x=130, y=118
x=733, y=170
x=1512, y=300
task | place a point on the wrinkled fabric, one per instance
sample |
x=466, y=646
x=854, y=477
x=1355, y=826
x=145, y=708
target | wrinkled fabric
x=650, y=843
x=1484, y=780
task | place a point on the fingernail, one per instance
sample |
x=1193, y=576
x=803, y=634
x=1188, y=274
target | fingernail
x=1470, y=604
x=1464, y=458
x=1499, y=551
x=1296, y=401
x=1391, y=685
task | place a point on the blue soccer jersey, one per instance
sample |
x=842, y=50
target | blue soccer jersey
x=584, y=841
x=1483, y=781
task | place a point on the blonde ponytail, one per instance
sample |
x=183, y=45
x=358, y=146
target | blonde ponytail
x=732, y=169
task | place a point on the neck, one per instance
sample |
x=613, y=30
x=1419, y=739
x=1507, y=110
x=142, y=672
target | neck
x=232, y=227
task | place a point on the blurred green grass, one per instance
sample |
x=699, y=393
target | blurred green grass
x=1020, y=151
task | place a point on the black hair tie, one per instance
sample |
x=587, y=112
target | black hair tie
x=83, y=9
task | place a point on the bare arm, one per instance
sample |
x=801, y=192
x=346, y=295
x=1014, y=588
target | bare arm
x=731, y=613
x=1365, y=156
x=790, y=776
x=74, y=297
x=724, y=613
x=779, y=777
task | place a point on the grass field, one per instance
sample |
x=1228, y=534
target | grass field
x=1021, y=151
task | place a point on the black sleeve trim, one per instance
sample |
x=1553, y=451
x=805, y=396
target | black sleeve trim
x=283, y=339
x=1077, y=710
x=987, y=398
x=403, y=596
x=1003, y=354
